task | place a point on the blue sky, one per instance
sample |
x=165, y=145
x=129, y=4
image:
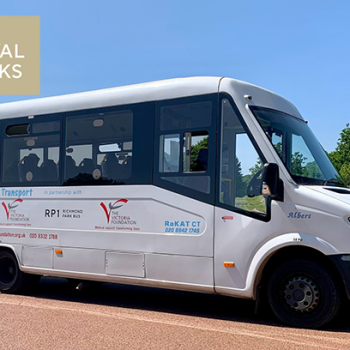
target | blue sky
x=298, y=49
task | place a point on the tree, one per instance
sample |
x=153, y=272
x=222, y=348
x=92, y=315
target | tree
x=257, y=167
x=196, y=148
x=241, y=188
x=345, y=173
x=341, y=155
x=335, y=159
x=340, y=158
x=343, y=145
x=297, y=167
x=312, y=170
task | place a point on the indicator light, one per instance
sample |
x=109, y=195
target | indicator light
x=229, y=264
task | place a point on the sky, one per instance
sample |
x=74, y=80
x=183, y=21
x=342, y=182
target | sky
x=298, y=49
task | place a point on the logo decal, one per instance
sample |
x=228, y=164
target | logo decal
x=119, y=203
x=298, y=215
x=9, y=206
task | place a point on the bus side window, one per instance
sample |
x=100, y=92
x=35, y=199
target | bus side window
x=240, y=166
x=109, y=146
x=185, y=130
x=169, y=157
x=195, y=151
x=30, y=153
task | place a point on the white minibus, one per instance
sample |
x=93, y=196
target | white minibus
x=204, y=184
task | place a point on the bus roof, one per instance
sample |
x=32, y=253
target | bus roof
x=153, y=91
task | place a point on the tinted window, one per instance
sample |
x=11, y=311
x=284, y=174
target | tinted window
x=109, y=146
x=31, y=150
x=185, y=146
x=13, y=130
x=186, y=115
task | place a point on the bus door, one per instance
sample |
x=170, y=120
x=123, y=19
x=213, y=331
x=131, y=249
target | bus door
x=184, y=172
x=241, y=213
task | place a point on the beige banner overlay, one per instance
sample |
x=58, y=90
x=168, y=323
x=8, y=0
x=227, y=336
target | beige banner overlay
x=19, y=55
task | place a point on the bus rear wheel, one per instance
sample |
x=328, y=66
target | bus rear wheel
x=12, y=279
x=303, y=293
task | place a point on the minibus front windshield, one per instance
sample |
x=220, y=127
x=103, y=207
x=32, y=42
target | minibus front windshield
x=297, y=146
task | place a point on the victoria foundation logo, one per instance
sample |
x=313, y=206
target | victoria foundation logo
x=11, y=206
x=118, y=204
x=19, y=55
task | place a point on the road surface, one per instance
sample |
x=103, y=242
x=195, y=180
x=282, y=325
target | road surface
x=58, y=316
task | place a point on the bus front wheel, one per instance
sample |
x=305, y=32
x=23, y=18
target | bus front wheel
x=303, y=293
x=12, y=279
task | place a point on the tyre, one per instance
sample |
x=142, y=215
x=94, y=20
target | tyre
x=12, y=279
x=303, y=293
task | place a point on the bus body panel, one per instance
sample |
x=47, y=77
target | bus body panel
x=239, y=90
x=59, y=233
x=187, y=274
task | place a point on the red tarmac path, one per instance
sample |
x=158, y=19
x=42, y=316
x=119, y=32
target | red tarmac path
x=56, y=316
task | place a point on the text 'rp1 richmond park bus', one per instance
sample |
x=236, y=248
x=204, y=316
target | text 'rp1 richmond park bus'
x=202, y=184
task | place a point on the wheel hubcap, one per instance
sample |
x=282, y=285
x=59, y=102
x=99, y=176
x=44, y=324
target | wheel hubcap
x=302, y=294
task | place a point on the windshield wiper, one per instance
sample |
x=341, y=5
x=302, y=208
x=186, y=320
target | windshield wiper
x=334, y=181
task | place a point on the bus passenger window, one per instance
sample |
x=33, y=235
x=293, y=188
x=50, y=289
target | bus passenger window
x=28, y=169
x=185, y=130
x=31, y=153
x=169, y=153
x=194, y=159
x=99, y=148
x=195, y=151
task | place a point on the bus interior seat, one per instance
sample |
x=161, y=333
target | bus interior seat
x=202, y=160
x=28, y=169
x=49, y=170
x=71, y=168
x=11, y=172
x=125, y=168
x=110, y=166
x=199, y=183
x=86, y=166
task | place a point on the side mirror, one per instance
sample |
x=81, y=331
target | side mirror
x=272, y=185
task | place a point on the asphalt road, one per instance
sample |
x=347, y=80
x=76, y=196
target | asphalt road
x=57, y=316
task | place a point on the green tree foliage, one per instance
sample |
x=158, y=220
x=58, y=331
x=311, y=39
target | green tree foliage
x=241, y=187
x=252, y=171
x=278, y=147
x=297, y=164
x=196, y=148
x=257, y=167
x=341, y=156
x=345, y=173
x=312, y=170
x=335, y=159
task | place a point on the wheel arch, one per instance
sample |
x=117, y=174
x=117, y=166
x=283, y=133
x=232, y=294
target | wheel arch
x=291, y=252
x=285, y=247
x=11, y=249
